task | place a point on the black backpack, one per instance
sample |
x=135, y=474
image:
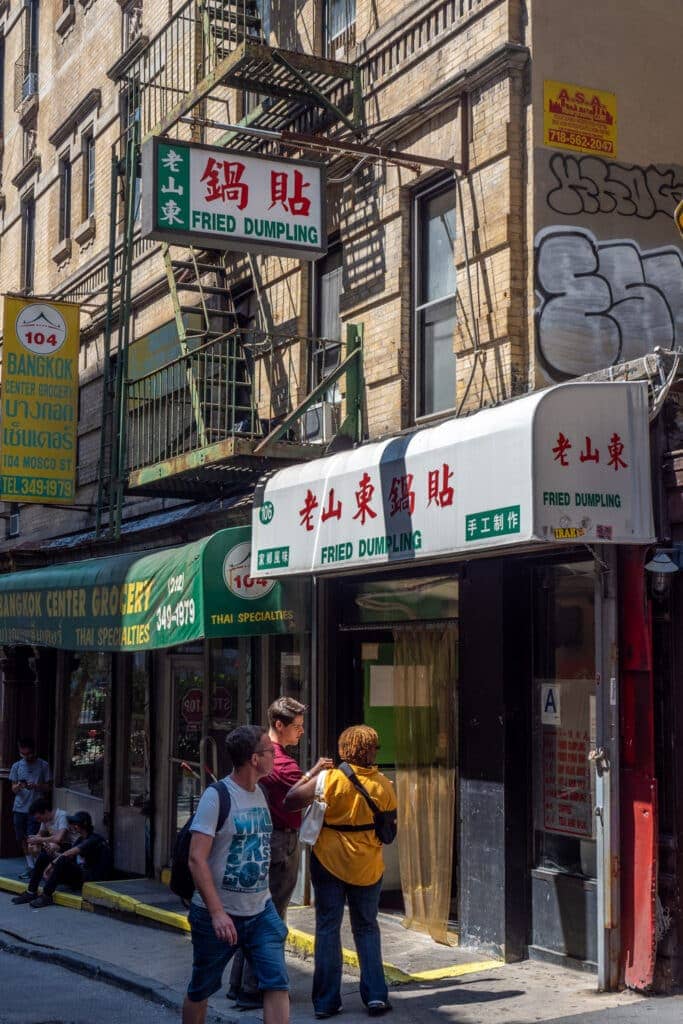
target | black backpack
x=383, y=822
x=182, y=882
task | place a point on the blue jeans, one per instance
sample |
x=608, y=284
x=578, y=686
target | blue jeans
x=262, y=937
x=330, y=895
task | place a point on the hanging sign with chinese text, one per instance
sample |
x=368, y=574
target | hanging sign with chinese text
x=570, y=464
x=196, y=195
x=39, y=401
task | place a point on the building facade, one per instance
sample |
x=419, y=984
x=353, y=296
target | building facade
x=503, y=224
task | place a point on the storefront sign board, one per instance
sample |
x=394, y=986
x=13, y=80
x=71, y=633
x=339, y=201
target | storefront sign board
x=39, y=401
x=134, y=602
x=196, y=195
x=565, y=465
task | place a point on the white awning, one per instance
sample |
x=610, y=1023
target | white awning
x=565, y=465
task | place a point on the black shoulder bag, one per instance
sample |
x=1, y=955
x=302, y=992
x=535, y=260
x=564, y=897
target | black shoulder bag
x=383, y=823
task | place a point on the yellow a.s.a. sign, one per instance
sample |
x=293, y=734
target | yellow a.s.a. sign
x=39, y=401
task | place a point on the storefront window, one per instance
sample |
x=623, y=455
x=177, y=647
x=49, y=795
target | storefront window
x=137, y=776
x=87, y=722
x=564, y=719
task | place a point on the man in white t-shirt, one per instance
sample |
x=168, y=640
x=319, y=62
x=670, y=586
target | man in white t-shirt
x=53, y=836
x=232, y=905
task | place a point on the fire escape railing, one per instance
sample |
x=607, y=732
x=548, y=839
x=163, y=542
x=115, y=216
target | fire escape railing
x=243, y=384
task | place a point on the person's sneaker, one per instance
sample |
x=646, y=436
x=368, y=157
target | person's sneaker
x=42, y=901
x=324, y=1014
x=25, y=875
x=25, y=897
x=376, y=1007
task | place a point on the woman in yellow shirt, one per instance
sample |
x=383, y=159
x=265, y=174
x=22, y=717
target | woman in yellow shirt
x=347, y=864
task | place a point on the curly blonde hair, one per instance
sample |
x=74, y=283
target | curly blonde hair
x=358, y=745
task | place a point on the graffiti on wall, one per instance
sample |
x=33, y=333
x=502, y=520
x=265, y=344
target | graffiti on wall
x=603, y=302
x=591, y=185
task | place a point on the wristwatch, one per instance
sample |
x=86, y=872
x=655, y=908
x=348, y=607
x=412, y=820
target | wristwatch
x=306, y=776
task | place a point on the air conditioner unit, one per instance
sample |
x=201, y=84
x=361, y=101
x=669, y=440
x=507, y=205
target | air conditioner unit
x=320, y=423
x=13, y=524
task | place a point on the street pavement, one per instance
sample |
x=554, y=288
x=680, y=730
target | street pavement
x=153, y=963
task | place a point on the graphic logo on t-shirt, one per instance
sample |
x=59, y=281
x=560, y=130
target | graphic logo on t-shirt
x=246, y=869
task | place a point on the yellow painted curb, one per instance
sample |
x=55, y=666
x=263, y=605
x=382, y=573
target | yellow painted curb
x=297, y=941
x=110, y=898
x=12, y=885
x=167, y=917
x=62, y=899
x=68, y=899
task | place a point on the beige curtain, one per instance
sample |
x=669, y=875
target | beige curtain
x=425, y=695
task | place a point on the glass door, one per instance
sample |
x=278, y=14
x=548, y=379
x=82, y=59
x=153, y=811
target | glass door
x=564, y=732
x=188, y=761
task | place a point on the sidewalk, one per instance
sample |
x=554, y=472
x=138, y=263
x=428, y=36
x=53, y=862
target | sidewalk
x=130, y=948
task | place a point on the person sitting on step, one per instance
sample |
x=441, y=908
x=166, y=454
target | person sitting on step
x=88, y=860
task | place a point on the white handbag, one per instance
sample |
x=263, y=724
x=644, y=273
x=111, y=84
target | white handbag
x=314, y=816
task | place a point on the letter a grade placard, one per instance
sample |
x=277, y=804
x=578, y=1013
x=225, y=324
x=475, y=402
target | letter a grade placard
x=196, y=195
x=39, y=401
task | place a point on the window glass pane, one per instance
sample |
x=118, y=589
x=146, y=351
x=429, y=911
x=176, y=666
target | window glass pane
x=564, y=719
x=437, y=325
x=438, y=237
x=138, y=774
x=340, y=14
x=87, y=715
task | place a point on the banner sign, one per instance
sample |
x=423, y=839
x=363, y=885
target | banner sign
x=196, y=195
x=566, y=465
x=39, y=401
x=134, y=602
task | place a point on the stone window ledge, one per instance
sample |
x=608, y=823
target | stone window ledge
x=65, y=21
x=28, y=108
x=62, y=251
x=85, y=231
x=30, y=168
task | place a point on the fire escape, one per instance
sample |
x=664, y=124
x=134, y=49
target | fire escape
x=231, y=403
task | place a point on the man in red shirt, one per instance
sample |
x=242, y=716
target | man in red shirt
x=286, y=721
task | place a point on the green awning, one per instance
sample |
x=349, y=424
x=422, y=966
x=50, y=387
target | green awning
x=134, y=602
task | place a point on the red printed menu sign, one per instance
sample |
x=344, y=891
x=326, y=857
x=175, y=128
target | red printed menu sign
x=568, y=799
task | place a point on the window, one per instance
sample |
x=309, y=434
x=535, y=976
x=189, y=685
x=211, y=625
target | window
x=434, y=305
x=29, y=140
x=64, y=198
x=132, y=23
x=28, y=243
x=339, y=27
x=88, y=175
x=87, y=700
x=326, y=318
x=31, y=37
x=131, y=114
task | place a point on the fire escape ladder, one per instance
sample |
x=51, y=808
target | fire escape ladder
x=220, y=385
x=122, y=213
